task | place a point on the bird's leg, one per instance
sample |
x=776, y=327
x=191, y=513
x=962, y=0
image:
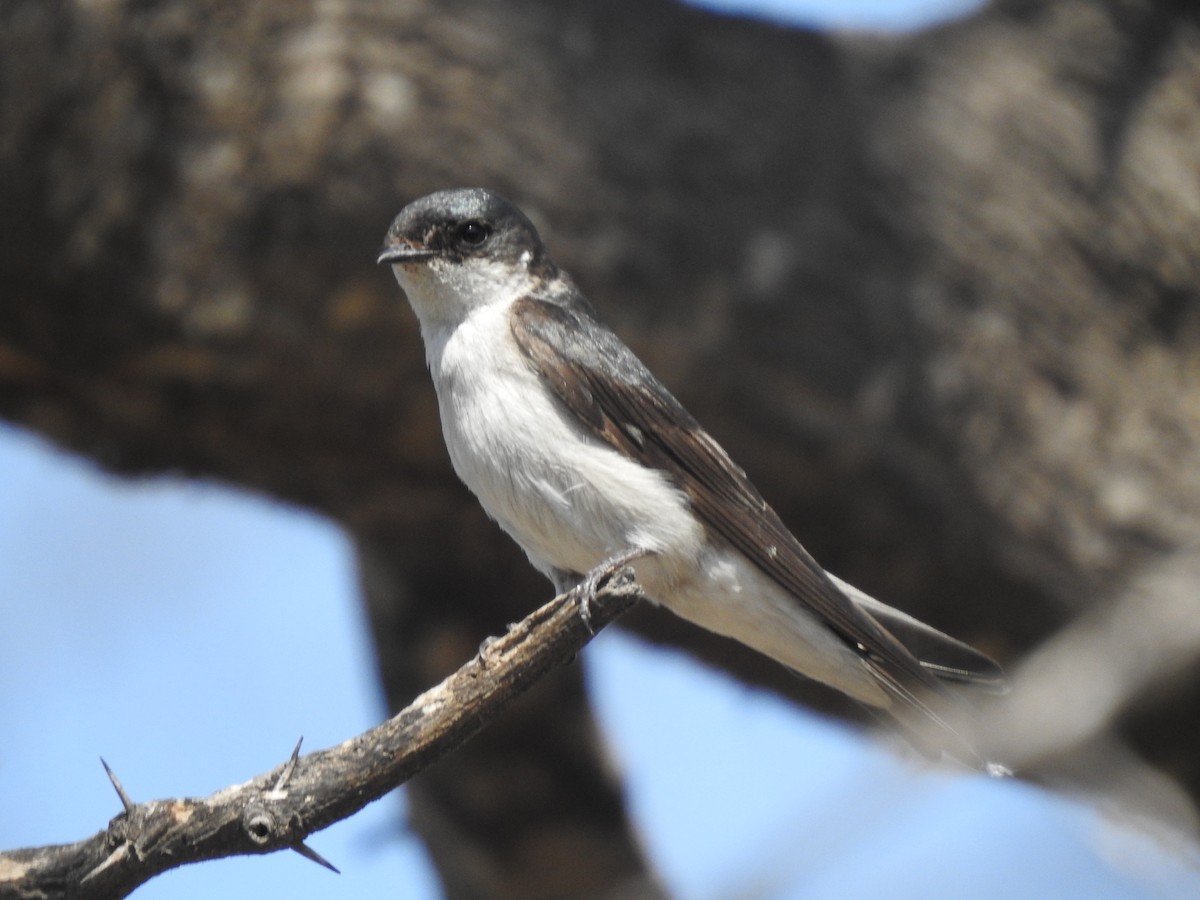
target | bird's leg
x=590, y=583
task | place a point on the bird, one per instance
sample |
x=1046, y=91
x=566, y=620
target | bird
x=588, y=461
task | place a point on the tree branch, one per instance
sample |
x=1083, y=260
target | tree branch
x=1055, y=725
x=1067, y=692
x=278, y=809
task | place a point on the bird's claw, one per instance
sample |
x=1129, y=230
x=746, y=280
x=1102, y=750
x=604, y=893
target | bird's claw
x=599, y=575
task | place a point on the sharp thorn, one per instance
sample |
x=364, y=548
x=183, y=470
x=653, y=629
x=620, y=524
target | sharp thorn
x=309, y=853
x=111, y=860
x=290, y=767
x=116, y=783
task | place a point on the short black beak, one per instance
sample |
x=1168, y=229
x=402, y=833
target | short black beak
x=402, y=253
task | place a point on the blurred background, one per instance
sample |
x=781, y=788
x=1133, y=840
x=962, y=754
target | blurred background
x=189, y=633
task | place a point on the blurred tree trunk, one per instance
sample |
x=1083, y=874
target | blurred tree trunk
x=936, y=293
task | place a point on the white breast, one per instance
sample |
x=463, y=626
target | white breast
x=568, y=499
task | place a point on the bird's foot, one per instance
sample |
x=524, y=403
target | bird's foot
x=586, y=589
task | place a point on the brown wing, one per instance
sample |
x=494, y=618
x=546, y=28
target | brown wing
x=634, y=413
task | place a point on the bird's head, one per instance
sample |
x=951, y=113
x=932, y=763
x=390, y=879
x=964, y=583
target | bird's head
x=454, y=251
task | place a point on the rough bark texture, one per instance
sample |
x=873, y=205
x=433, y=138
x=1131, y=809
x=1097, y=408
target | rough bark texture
x=937, y=294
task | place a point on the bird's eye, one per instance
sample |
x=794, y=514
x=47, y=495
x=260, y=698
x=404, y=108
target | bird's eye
x=472, y=233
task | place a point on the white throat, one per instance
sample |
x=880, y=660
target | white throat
x=444, y=293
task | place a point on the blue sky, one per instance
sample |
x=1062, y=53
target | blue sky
x=890, y=15
x=168, y=627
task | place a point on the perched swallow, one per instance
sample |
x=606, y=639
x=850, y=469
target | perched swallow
x=583, y=457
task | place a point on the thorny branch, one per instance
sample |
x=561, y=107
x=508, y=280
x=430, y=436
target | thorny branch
x=278, y=810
